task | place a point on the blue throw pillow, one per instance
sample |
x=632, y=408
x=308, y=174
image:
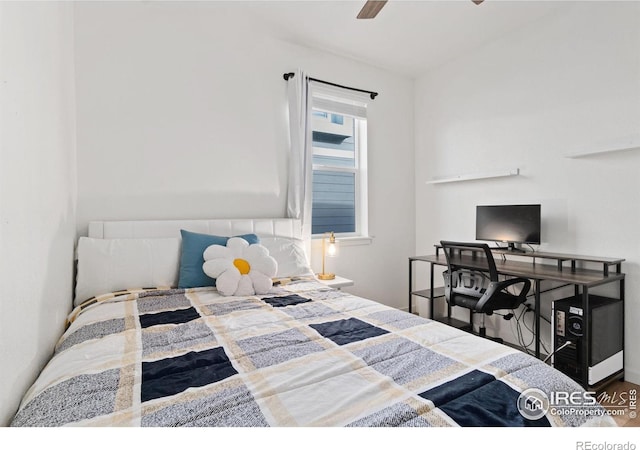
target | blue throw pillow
x=191, y=260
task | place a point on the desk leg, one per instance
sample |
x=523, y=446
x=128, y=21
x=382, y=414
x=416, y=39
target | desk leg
x=432, y=294
x=410, y=283
x=536, y=316
x=586, y=338
x=623, y=327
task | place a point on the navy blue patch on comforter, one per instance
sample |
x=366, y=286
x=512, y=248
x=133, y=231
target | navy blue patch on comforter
x=477, y=399
x=172, y=375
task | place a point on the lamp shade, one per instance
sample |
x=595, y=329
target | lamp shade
x=332, y=246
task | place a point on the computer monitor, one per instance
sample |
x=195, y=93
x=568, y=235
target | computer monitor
x=513, y=224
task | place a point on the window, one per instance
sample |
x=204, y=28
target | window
x=339, y=130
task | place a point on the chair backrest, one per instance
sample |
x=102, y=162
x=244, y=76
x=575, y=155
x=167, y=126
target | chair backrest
x=470, y=265
x=470, y=256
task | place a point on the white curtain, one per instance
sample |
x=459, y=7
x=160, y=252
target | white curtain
x=299, y=194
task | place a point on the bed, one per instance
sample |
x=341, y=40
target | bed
x=144, y=349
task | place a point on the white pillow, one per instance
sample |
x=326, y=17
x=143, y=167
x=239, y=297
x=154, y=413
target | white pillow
x=290, y=255
x=108, y=265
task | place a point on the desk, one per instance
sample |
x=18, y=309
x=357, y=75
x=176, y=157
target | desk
x=564, y=270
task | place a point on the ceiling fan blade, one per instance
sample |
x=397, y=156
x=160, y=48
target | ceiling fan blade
x=371, y=9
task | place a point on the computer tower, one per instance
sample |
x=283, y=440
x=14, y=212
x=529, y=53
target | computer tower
x=606, y=352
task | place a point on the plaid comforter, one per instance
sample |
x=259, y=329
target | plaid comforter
x=304, y=355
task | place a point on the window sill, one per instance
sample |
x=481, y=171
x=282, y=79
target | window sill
x=348, y=241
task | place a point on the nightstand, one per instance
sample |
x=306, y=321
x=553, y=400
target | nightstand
x=337, y=282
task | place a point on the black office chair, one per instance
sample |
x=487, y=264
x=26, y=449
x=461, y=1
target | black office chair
x=471, y=281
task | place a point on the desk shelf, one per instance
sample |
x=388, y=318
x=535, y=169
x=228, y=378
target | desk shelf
x=439, y=293
x=426, y=293
x=562, y=258
x=452, y=322
x=455, y=323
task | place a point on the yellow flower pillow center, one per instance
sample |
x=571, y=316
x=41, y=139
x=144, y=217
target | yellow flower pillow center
x=242, y=265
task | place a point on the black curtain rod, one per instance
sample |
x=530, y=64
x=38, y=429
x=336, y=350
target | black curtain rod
x=288, y=75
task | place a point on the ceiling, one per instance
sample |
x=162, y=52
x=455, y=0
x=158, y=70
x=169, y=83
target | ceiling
x=409, y=37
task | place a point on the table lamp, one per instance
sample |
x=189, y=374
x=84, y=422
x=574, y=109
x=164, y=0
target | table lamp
x=329, y=249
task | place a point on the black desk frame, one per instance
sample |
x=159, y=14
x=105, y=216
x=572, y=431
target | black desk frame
x=582, y=280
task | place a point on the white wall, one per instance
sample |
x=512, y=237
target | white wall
x=566, y=83
x=182, y=113
x=37, y=189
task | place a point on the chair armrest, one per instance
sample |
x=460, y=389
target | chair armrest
x=497, y=286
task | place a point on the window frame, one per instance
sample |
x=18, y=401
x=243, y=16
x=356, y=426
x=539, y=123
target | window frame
x=359, y=170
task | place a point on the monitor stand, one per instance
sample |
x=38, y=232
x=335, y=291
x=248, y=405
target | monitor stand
x=512, y=248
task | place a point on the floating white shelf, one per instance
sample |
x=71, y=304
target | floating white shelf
x=600, y=152
x=620, y=145
x=476, y=176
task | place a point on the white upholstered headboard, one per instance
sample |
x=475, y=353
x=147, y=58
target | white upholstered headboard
x=119, y=255
x=282, y=227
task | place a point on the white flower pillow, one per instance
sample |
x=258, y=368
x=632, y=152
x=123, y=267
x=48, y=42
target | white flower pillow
x=240, y=268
